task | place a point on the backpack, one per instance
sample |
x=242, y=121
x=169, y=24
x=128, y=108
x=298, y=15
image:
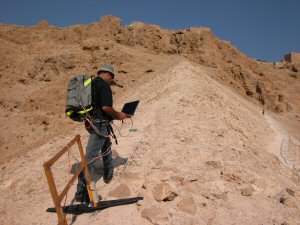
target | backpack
x=79, y=97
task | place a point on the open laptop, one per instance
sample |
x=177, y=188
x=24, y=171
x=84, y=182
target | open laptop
x=130, y=107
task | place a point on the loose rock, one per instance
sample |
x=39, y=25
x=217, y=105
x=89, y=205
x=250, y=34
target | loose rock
x=163, y=192
x=247, y=191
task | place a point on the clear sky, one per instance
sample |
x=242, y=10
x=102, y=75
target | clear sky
x=262, y=29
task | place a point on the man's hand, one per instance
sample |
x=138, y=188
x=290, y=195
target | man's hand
x=113, y=113
x=122, y=116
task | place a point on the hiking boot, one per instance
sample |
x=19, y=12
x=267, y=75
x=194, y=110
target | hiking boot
x=107, y=179
x=82, y=198
x=108, y=174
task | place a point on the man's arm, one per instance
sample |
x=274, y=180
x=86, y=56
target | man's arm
x=113, y=113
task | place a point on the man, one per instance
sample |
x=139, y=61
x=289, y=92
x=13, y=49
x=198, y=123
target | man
x=99, y=128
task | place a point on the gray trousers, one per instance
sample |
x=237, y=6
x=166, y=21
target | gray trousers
x=96, y=144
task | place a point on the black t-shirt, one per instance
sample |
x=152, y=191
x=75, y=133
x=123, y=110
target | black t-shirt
x=102, y=97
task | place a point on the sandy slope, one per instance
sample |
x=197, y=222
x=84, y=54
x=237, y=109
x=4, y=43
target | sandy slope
x=203, y=140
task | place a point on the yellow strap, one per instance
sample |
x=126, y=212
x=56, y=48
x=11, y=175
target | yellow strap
x=87, y=82
x=70, y=112
x=85, y=111
x=80, y=112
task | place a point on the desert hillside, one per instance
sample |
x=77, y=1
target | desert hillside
x=217, y=138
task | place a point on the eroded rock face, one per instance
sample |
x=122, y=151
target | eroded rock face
x=155, y=214
x=111, y=24
x=292, y=57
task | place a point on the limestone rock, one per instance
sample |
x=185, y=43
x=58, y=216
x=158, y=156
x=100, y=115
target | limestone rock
x=155, y=215
x=187, y=205
x=163, y=192
x=292, y=57
x=121, y=191
x=222, y=196
x=247, y=191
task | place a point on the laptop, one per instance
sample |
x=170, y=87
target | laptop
x=130, y=107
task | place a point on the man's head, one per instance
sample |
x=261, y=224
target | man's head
x=107, y=73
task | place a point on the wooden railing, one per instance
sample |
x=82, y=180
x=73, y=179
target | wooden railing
x=58, y=197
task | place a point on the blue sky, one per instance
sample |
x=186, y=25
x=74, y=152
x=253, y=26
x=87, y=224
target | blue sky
x=261, y=29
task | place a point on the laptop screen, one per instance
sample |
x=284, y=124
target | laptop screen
x=130, y=107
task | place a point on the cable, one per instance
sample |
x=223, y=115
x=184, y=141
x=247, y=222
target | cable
x=122, y=124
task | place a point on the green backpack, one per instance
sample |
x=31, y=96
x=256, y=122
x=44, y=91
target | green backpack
x=79, y=97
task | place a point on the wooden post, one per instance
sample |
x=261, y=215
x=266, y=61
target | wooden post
x=60, y=215
x=57, y=198
x=94, y=198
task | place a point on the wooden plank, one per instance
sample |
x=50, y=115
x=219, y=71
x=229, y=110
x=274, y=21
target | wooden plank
x=61, y=152
x=60, y=215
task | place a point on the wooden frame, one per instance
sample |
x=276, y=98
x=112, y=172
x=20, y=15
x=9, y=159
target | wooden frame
x=57, y=198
